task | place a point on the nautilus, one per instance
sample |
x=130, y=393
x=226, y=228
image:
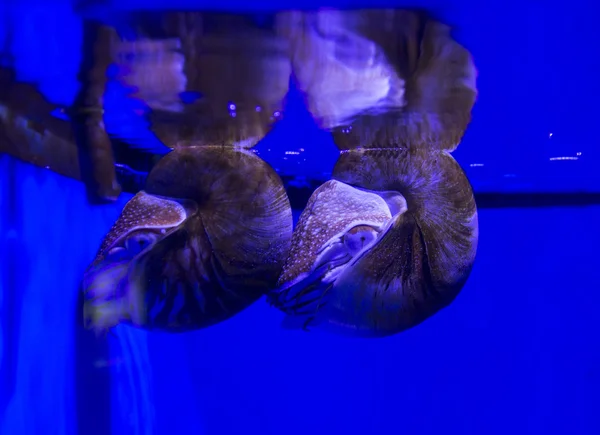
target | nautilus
x=204, y=240
x=392, y=238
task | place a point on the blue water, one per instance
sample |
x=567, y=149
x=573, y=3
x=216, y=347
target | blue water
x=518, y=351
x=537, y=84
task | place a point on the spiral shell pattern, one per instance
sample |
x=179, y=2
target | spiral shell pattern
x=206, y=239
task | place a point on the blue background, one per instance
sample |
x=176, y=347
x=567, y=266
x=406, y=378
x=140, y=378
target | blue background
x=518, y=351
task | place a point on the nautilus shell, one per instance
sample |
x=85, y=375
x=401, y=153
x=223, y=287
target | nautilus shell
x=384, y=245
x=392, y=238
x=204, y=240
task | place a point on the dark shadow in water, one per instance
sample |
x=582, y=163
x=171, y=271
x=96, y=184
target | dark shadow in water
x=12, y=303
x=92, y=380
x=95, y=155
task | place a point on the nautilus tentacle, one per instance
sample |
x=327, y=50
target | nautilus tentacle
x=392, y=238
x=206, y=238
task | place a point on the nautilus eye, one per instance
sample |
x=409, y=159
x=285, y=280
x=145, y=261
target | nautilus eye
x=206, y=239
x=139, y=241
x=359, y=237
x=378, y=270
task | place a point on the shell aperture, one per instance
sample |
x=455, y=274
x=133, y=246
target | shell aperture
x=225, y=231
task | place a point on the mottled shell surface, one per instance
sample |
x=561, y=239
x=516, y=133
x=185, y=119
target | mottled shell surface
x=333, y=209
